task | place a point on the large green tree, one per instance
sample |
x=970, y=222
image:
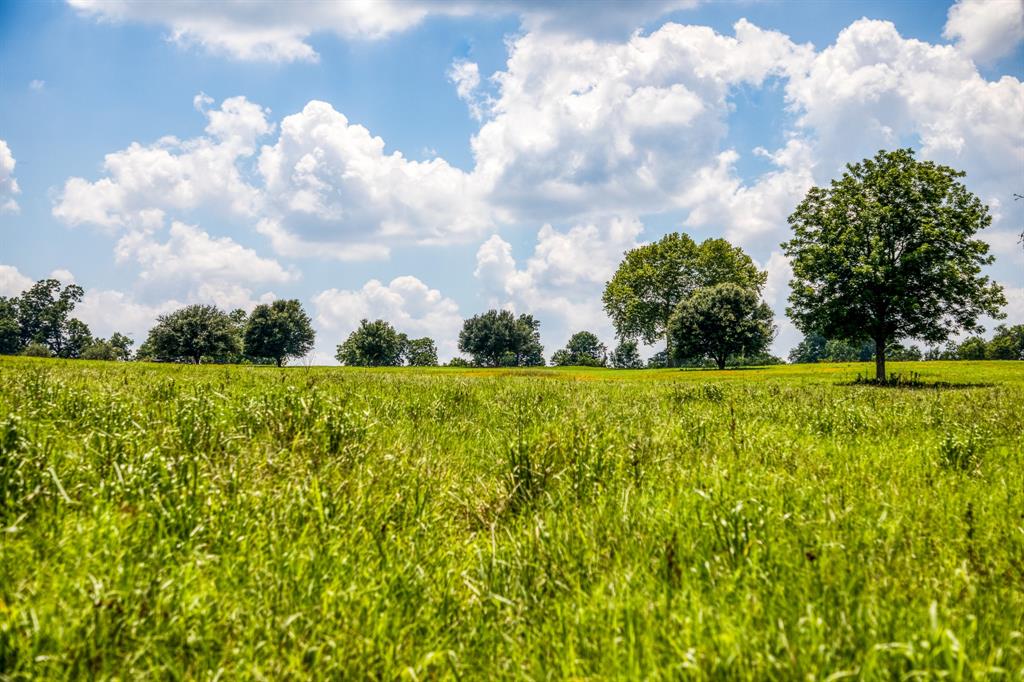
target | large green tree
x=626, y=356
x=278, y=330
x=372, y=344
x=886, y=252
x=10, y=329
x=720, y=321
x=499, y=338
x=653, y=280
x=44, y=316
x=1007, y=343
x=583, y=349
x=192, y=333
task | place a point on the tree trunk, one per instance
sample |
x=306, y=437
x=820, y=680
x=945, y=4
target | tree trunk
x=198, y=358
x=880, y=360
x=278, y=361
x=720, y=362
x=670, y=360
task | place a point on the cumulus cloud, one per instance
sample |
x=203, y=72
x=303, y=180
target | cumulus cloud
x=200, y=267
x=411, y=306
x=584, y=127
x=280, y=31
x=8, y=184
x=562, y=281
x=145, y=181
x=985, y=29
x=12, y=281
x=108, y=310
x=329, y=180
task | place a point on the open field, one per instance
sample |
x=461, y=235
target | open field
x=194, y=522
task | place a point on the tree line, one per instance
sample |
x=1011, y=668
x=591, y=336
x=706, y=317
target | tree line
x=884, y=254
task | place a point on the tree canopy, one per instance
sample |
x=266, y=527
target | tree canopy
x=420, y=352
x=278, y=330
x=498, y=338
x=653, y=280
x=886, y=252
x=372, y=344
x=626, y=356
x=583, y=349
x=191, y=333
x=720, y=321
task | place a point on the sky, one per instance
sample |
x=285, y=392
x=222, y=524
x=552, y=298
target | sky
x=422, y=162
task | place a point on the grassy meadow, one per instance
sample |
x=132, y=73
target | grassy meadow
x=174, y=522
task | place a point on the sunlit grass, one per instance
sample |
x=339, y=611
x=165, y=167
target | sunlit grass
x=189, y=522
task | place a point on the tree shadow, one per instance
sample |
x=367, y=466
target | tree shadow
x=912, y=383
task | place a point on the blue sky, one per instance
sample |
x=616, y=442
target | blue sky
x=423, y=162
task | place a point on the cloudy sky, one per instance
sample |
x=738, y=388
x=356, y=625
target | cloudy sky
x=423, y=161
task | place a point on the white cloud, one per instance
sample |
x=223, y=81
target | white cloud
x=563, y=280
x=107, y=311
x=584, y=127
x=64, y=275
x=466, y=77
x=327, y=180
x=143, y=182
x=199, y=267
x=255, y=31
x=985, y=29
x=12, y=282
x=408, y=304
x=8, y=184
x=36, y=85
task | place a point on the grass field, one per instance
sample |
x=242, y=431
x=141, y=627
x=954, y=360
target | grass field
x=220, y=522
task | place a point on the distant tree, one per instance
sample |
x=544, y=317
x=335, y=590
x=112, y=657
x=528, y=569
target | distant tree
x=278, y=330
x=37, y=350
x=841, y=350
x=583, y=349
x=658, y=360
x=122, y=346
x=900, y=353
x=720, y=321
x=77, y=338
x=499, y=338
x=653, y=280
x=458, y=362
x=372, y=344
x=972, y=348
x=626, y=356
x=191, y=333
x=810, y=349
x=420, y=352
x=100, y=349
x=886, y=253
x=10, y=329
x=1007, y=344
x=44, y=316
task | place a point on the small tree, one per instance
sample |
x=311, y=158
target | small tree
x=122, y=346
x=721, y=321
x=886, y=252
x=653, y=280
x=626, y=356
x=372, y=344
x=100, y=349
x=76, y=339
x=10, y=330
x=499, y=338
x=583, y=349
x=44, y=314
x=278, y=330
x=191, y=333
x=420, y=352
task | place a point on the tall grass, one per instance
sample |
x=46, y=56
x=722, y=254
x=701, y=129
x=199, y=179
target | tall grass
x=223, y=522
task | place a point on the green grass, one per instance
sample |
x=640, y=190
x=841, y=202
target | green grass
x=779, y=523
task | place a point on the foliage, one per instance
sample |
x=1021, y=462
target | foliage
x=1007, y=343
x=100, y=349
x=420, y=352
x=498, y=338
x=720, y=321
x=372, y=344
x=192, y=333
x=10, y=329
x=886, y=252
x=583, y=349
x=44, y=316
x=626, y=356
x=278, y=330
x=37, y=350
x=653, y=280
x=458, y=362
x=234, y=522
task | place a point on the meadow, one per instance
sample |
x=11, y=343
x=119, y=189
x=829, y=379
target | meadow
x=212, y=522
